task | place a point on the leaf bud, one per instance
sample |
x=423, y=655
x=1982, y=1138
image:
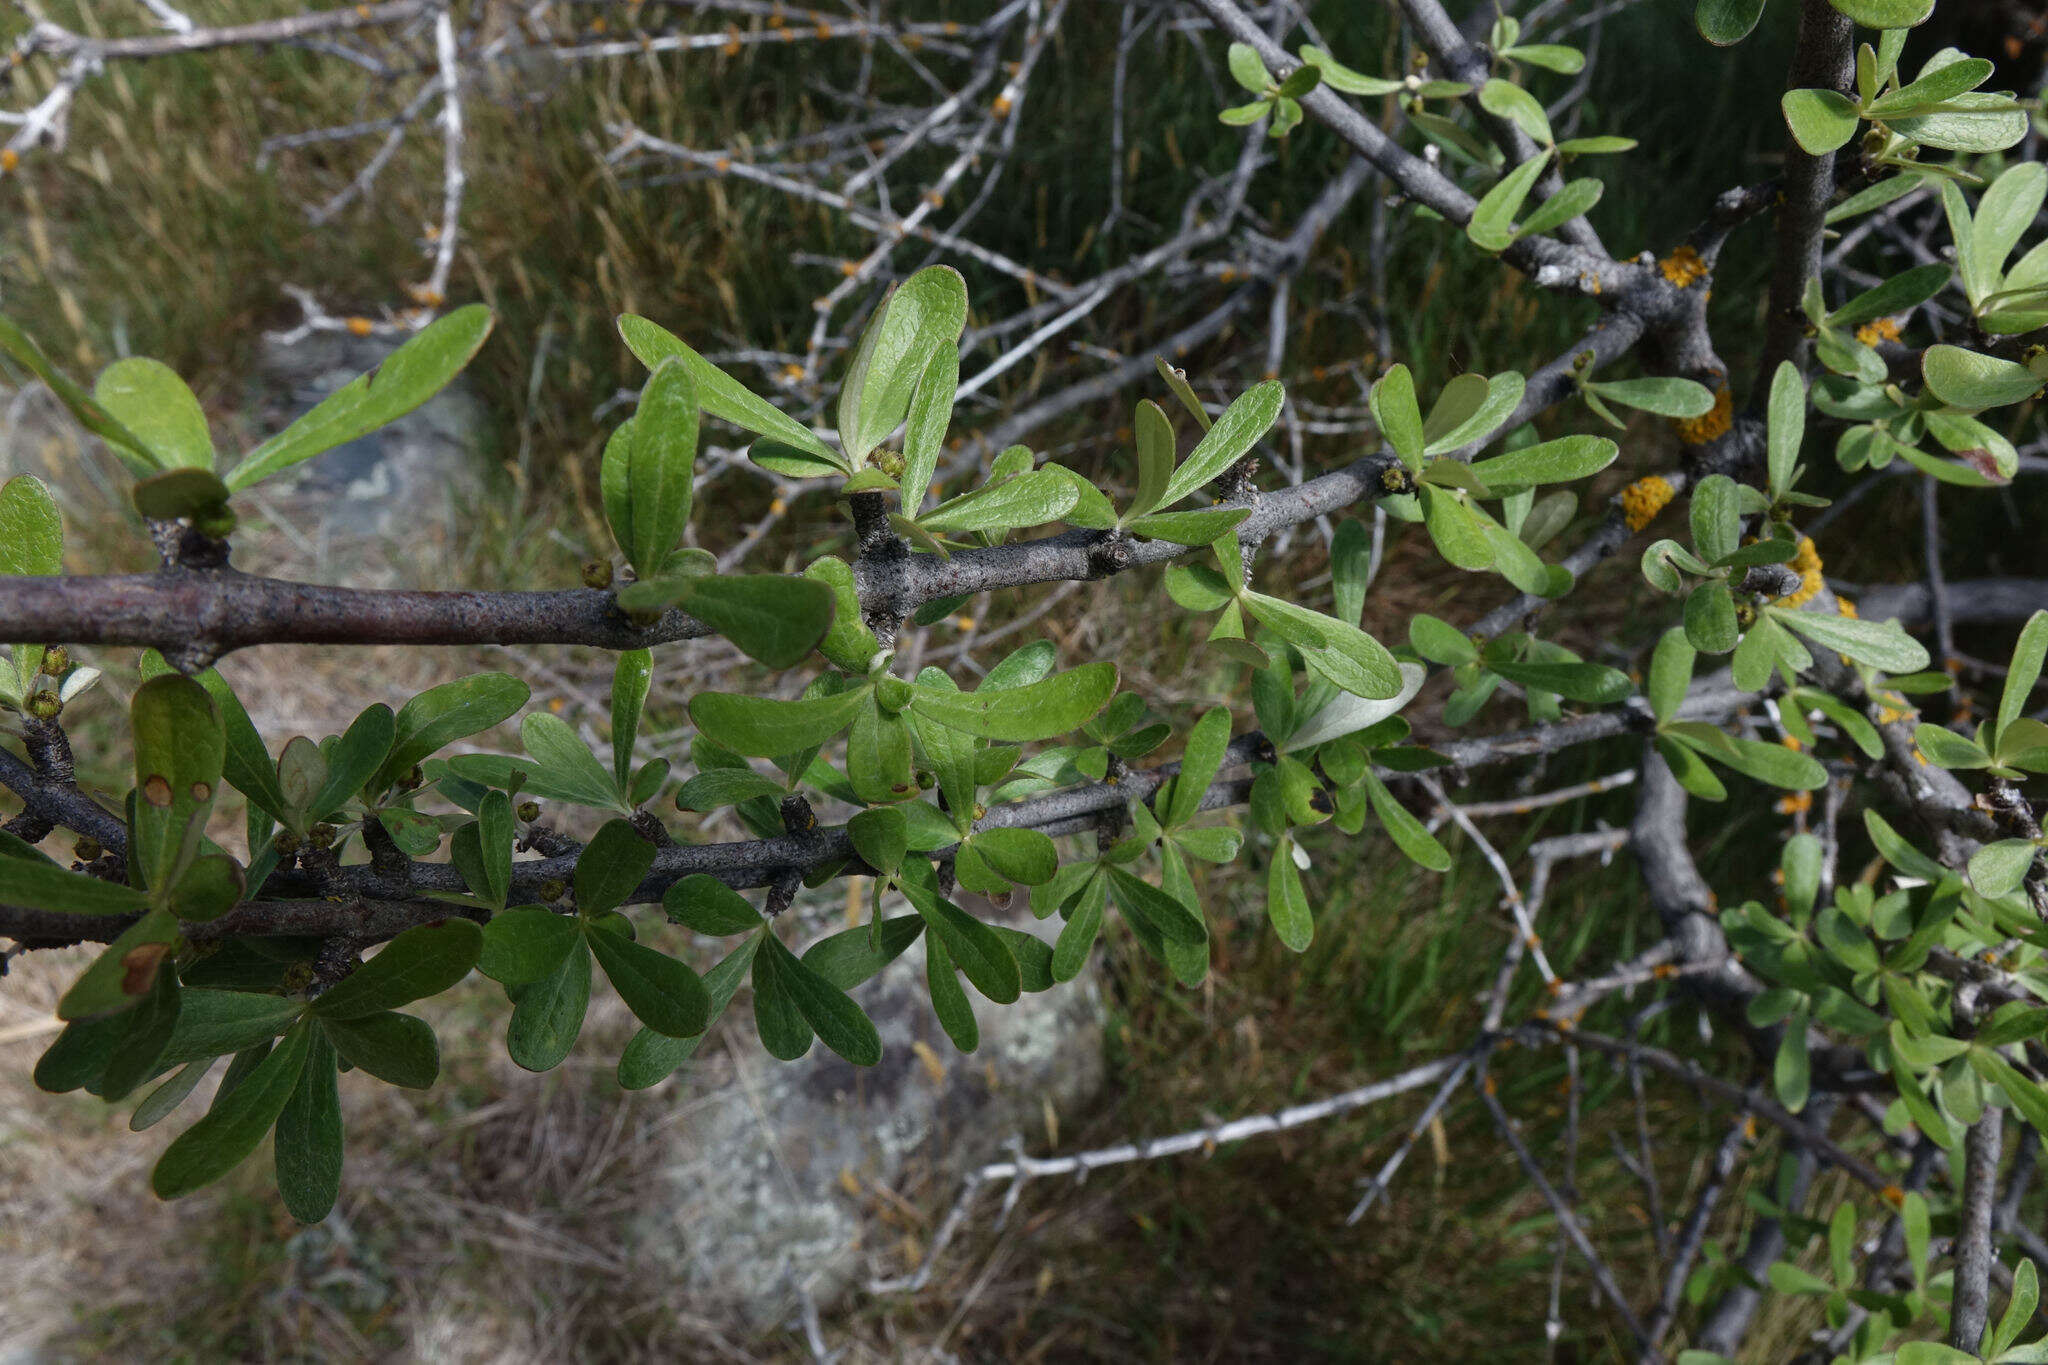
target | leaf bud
x=322, y=835
x=86, y=849
x=597, y=574
x=529, y=811
x=44, y=706
x=285, y=842
x=553, y=889
x=56, y=661
x=925, y=780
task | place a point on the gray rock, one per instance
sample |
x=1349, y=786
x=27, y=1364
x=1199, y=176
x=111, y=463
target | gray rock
x=772, y=1194
x=409, y=477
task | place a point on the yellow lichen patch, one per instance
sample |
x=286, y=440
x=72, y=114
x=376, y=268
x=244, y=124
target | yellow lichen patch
x=1893, y=1195
x=1697, y=431
x=1683, y=267
x=1001, y=108
x=9, y=159
x=1846, y=607
x=1796, y=803
x=1642, y=500
x=1807, y=565
x=358, y=327
x=1878, y=329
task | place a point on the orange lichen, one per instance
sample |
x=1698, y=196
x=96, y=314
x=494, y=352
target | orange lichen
x=1683, y=267
x=1642, y=500
x=1795, y=803
x=358, y=327
x=1846, y=607
x=1695, y=431
x=9, y=159
x=1878, y=329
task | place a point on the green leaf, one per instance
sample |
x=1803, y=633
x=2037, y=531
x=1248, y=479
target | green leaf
x=45, y=886
x=1710, y=618
x=1492, y=226
x=1223, y=444
x=1287, y=905
x=566, y=765
x=1207, y=743
x=1457, y=532
x=138, y=1053
x=612, y=865
x=931, y=412
x=1998, y=868
x=848, y=642
x=1666, y=397
x=663, y=994
x=776, y=619
x=1190, y=528
x=1726, y=22
x=1398, y=416
x=1343, y=653
x=926, y=312
x=160, y=1103
x=183, y=492
x=1042, y=710
x=548, y=1014
x=765, y=727
x=1792, y=1073
x=1024, y=856
x=778, y=1018
x=707, y=905
x=854, y=955
x=421, y=962
x=1340, y=77
x=395, y=1048
x=1593, y=684
x=1973, y=381
x=408, y=377
x=651, y=1058
x=1716, y=517
x=1786, y=424
x=524, y=944
x=1882, y=14
x=127, y=447
x=1155, y=910
x=31, y=542
x=441, y=715
x=1820, y=120
x=215, y=1145
x=1946, y=749
x=1463, y=415
x=726, y=398
x=1030, y=499
x=949, y=1001
x=716, y=787
x=1505, y=99
x=975, y=948
x=1670, y=674
x=1937, y=85
x=219, y=1023
x=148, y=398
x=828, y=1011
x=1155, y=458
x=1246, y=68
x=352, y=761
x=1877, y=644
x=631, y=678
x=1409, y=834
x=2025, y=671
x=179, y=753
x=307, y=1147
x=1570, y=457
x=1908, y=289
